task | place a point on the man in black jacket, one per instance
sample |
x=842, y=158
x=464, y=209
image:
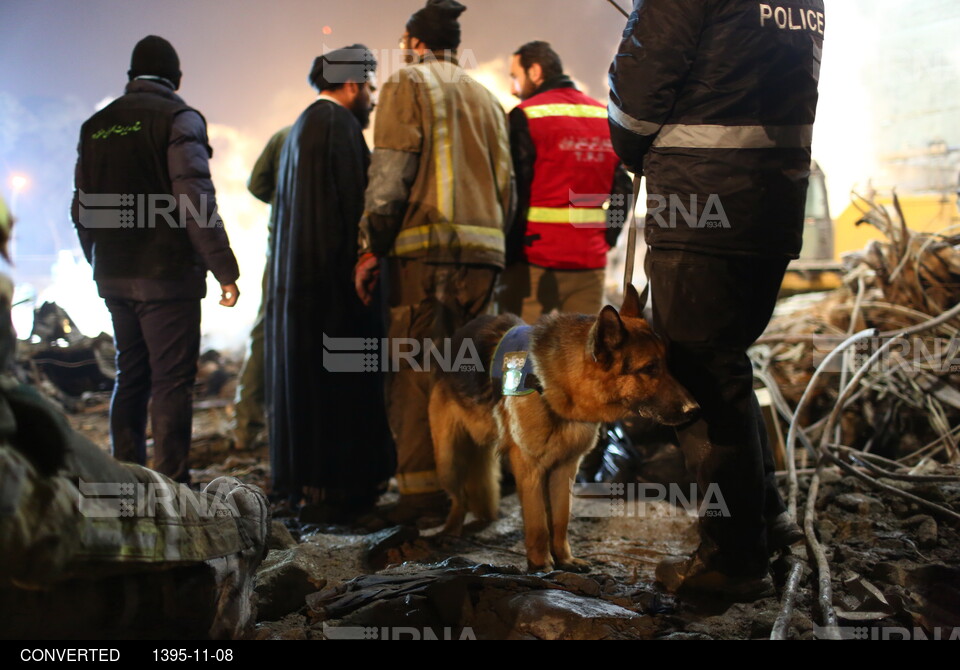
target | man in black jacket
x=146, y=214
x=714, y=102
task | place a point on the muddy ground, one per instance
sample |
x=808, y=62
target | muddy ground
x=895, y=567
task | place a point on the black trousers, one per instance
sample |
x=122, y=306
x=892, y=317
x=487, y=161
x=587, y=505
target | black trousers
x=710, y=309
x=158, y=345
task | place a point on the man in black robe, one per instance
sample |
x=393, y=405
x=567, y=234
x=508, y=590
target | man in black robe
x=330, y=444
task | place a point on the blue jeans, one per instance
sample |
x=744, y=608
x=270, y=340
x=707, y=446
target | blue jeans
x=158, y=345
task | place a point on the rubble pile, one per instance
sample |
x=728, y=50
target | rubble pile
x=894, y=564
x=76, y=372
x=896, y=567
x=907, y=406
x=865, y=378
x=460, y=599
x=69, y=368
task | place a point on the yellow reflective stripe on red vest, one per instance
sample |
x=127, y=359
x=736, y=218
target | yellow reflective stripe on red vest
x=575, y=215
x=565, y=109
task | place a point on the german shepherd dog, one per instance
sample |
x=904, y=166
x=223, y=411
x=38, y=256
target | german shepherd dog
x=592, y=369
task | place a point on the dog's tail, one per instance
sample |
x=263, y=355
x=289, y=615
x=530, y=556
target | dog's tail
x=466, y=457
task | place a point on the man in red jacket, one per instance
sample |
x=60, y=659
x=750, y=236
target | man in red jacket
x=566, y=170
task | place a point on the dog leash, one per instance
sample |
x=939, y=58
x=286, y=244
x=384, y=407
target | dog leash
x=632, y=236
x=632, y=230
x=619, y=8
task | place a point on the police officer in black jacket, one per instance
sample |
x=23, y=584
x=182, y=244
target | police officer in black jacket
x=145, y=211
x=713, y=101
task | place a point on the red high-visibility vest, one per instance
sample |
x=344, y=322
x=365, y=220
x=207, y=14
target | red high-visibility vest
x=572, y=179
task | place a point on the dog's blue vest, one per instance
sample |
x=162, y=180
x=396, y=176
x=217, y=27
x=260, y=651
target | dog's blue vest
x=512, y=367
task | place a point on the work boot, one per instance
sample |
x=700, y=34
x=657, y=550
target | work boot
x=236, y=574
x=693, y=576
x=423, y=510
x=782, y=531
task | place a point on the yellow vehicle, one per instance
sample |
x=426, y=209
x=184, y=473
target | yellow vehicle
x=924, y=213
x=826, y=240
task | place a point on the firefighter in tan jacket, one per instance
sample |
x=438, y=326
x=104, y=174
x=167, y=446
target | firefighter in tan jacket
x=441, y=189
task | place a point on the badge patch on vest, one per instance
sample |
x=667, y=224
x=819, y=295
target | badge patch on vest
x=512, y=367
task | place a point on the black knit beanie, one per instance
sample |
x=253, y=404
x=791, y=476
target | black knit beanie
x=155, y=57
x=436, y=25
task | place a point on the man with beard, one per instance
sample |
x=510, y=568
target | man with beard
x=320, y=447
x=566, y=170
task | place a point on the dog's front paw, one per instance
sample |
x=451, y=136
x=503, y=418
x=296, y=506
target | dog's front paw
x=454, y=531
x=454, y=525
x=574, y=565
x=539, y=567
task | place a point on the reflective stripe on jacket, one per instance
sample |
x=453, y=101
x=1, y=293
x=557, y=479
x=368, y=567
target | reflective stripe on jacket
x=441, y=178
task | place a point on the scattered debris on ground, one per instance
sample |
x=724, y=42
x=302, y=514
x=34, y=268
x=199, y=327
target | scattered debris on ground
x=866, y=380
x=872, y=439
x=908, y=402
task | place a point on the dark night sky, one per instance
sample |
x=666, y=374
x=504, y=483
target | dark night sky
x=244, y=58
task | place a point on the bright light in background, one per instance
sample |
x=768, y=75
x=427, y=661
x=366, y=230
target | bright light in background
x=245, y=218
x=75, y=291
x=495, y=75
x=72, y=288
x=19, y=182
x=842, y=136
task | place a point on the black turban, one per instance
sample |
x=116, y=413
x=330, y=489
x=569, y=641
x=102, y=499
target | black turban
x=353, y=63
x=437, y=25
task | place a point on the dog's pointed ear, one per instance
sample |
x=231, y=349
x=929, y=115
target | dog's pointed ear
x=633, y=304
x=607, y=334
